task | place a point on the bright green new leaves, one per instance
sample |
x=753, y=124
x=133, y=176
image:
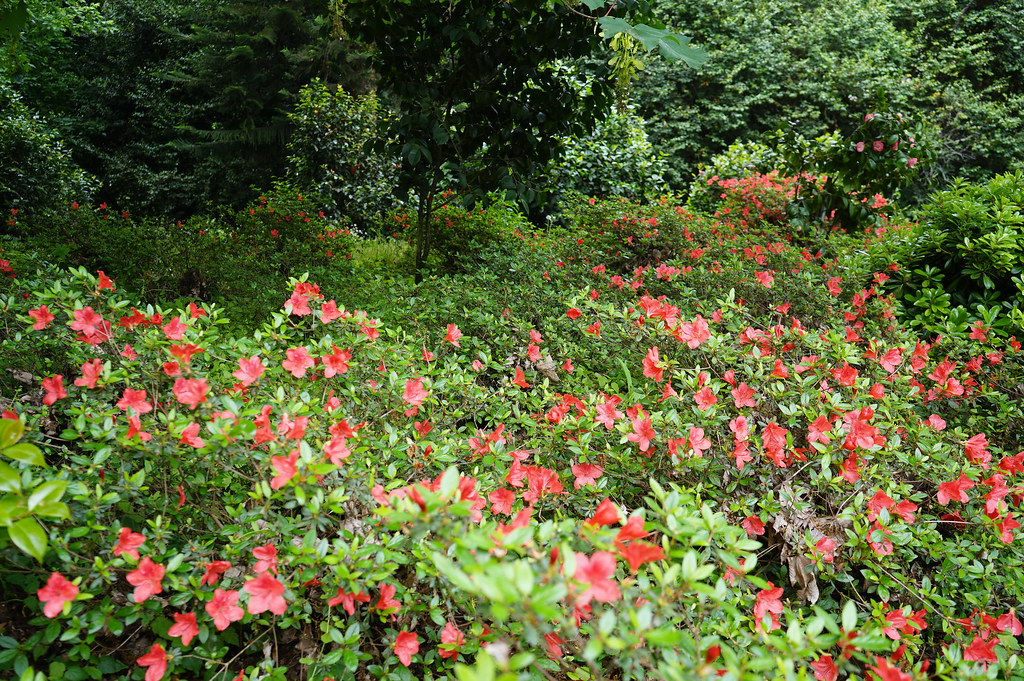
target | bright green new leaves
x=28, y=536
x=26, y=498
x=671, y=45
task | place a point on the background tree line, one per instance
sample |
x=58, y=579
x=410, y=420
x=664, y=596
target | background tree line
x=177, y=106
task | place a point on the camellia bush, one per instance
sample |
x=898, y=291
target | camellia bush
x=724, y=459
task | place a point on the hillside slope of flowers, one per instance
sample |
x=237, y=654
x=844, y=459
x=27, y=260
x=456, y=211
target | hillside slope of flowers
x=660, y=446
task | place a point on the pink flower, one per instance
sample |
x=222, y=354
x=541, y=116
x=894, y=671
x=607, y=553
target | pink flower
x=643, y=433
x=146, y=579
x=453, y=335
x=175, y=329
x=223, y=608
x=407, y=644
x=86, y=321
x=156, y=661
x=266, y=593
x=42, y=317
x=90, y=374
x=134, y=399
x=596, y=572
x=298, y=361
x=451, y=640
x=54, y=387
x=55, y=594
x=266, y=556
x=586, y=474
x=128, y=543
x=185, y=626
x=286, y=467
x=191, y=391
x=249, y=370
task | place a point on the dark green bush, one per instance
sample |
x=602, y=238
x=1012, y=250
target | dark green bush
x=965, y=261
x=616, y=159
x=816, y=66
x=36, y=170
x=462, y=237
x=329, y=155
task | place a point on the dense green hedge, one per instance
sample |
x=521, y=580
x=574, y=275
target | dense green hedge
x=818, y=66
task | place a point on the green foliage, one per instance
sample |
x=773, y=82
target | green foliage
x=462, y=238
x=475, y=99
x=816, y=67
x=383, y=254
x=616, y=159
x=231, y=254
x=36, y=171
x=847, y=181
x=40, y=23
x=26, y=497
x=249, y=61
x=179, y=105
x=107, y=95
x=964, y=262
x=328, y=154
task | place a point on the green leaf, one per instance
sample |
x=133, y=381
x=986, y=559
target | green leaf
x=649, y=36
x=612, y=26
x=593, y=4
x=10, y=481
x=11, y=431
x=849, y=616
x=57, y=510
x=26, y=453
x=11, y=507
x=675, y=48
x=47, y=493
x=29, y=537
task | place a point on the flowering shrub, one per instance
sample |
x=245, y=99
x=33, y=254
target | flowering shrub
x=758, y=198
x=740, y=160
x=234, y=255
x=850, y=180
x=732, y=460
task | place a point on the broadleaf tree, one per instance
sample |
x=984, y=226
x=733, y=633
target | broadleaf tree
x=477, y=104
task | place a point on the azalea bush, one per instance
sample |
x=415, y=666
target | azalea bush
x=742, y=159
x=725, y=457
x=225, y=255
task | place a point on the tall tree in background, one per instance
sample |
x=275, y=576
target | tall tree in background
x=251, y=59
x=177, y=104
x=476, y=102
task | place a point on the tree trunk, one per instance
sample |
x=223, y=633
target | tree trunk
x=426, y=201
